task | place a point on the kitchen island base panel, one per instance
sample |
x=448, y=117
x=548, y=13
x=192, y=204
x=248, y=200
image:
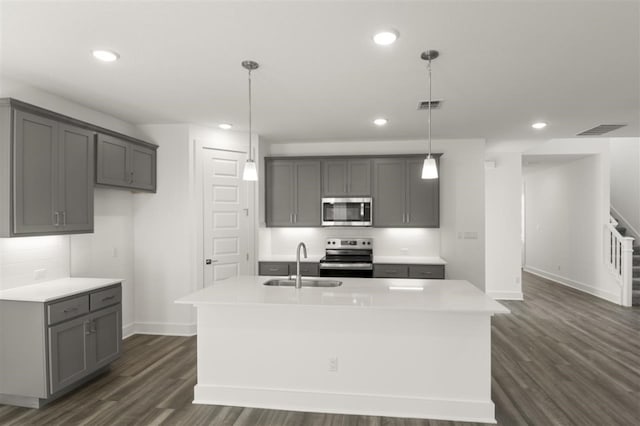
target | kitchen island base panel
x=351, y=360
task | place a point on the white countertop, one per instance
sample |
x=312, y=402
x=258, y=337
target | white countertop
x=291, y=258
x=360, y=293
x=409, y=260
x=46, y=291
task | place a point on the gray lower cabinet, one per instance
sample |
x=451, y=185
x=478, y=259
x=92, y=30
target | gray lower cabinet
x=395, y=270
x=309, y=269
x=401, y=197
x=58, y=345
x=52, y=170
x=292, y=192
x=343, y=177
x=125, y=164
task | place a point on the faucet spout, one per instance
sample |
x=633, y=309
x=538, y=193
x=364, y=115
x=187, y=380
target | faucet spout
x=298, y=275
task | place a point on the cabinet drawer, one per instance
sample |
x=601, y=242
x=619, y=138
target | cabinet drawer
x=103, y=298
x=426, y=271
x=306, y=269
x=386, y=270
x=273, y=268
x=67, y=309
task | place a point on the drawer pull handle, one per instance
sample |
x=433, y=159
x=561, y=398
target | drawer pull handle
x=273, y=269
x=68, y=310
x=104, y=299
x=391, y=271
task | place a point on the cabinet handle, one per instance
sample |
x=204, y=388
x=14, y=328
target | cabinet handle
x=87, y=329
x=389, y=271
x=295, y=218
x=104, y=299
x=273, y=269
x=290, y=217
x=93, y=326
x=131, y=178
x=64, y=218
x=408, y=218
x=66, y=311
x=56, y=216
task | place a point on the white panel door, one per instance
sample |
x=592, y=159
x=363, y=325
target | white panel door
x=226, y=216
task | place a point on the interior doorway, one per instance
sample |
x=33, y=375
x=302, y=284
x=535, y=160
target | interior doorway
x=227, y=216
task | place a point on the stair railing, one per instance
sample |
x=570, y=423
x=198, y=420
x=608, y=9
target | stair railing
x=618, y=257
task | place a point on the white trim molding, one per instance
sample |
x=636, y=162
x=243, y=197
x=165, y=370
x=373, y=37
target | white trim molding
x=585, y=288
x=505, y=295
x=346, y=403
x=164, y=328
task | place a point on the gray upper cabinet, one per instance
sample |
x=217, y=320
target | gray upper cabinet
x=401, y=197
x=125, y=164
x=346, y=177
x=292, y=192
x=53, y=174
x=389, y=192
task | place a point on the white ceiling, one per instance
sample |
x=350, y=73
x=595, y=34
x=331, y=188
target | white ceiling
x=503, y=64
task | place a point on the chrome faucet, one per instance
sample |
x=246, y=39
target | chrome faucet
x=298, y=276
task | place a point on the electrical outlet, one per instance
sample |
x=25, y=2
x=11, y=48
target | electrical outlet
x=333, y=364
x=39, y=274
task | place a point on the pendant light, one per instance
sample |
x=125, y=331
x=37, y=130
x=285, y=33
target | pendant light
x=250, y=172
x=429, y=168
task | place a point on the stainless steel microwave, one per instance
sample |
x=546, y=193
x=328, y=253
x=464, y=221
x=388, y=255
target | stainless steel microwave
x=347, y=211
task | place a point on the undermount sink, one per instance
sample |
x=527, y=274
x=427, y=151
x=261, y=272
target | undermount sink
x=305, y=283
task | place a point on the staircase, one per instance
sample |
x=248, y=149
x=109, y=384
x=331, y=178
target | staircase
x=635, y=298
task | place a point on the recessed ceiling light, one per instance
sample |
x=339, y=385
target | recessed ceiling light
x=539, y=125
x=380, y=121
x=385, y=38
x=105, y=55
x=225, y=126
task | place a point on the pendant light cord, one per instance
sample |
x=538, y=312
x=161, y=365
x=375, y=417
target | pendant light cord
x=250, y=150
x=429, y=119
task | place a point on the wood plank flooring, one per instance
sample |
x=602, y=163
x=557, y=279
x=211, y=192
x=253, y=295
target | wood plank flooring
x=561, y=358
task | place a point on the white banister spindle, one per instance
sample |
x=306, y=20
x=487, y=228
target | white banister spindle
x=618, y=253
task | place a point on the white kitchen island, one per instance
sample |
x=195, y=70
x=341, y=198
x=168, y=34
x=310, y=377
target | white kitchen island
x=391, y=347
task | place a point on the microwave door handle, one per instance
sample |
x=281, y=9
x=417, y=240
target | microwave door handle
x=361, y=209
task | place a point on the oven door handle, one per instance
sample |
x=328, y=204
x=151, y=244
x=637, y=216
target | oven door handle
x=359, y=266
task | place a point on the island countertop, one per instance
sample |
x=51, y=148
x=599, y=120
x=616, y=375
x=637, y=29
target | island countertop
x=363, y=293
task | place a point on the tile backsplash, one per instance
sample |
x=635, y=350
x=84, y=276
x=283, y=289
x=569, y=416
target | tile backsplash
x=29, y=260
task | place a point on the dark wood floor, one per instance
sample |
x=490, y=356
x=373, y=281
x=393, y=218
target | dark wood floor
x=561, y=358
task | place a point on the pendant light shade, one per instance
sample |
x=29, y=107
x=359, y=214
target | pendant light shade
x=429, y=167
x=250, y=171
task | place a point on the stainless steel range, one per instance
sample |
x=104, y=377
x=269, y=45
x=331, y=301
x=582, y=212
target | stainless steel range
x=347, y=257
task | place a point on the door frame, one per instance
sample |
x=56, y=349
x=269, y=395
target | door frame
x=197, y=185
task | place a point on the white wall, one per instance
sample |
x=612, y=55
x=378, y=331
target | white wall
x=461, y=206
x=29, y=260
x=625, y=182
x=109, y=251
x=567, y=204
x=162, y=227
x=503, y=185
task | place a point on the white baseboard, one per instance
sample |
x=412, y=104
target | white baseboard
x=505, y=295
x=346, y=403
x=164, y=328
x=585, y=288
x=128, y=330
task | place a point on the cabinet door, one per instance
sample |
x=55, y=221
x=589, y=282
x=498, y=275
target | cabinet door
x=389, y=192
x=106, y=336
x=143, y=167
x=423, y=197
x=279, y=188
x=273, y=268
x=307, y=193
x=75, y=178
x=334, y=178
x=112, y=166
x=68, y=360
x=35, y=170
x=359, y=173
